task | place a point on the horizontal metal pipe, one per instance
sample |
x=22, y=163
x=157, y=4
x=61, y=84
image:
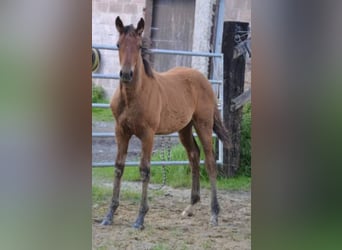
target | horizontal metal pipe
x=212, y=81
x=105, y=76
x=104, y=46
x=184, y=53
x=164, y=51
x=153, y=163
x=115, y=76
x=100, y=105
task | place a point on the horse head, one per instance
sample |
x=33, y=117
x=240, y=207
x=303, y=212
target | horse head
x=129, y=45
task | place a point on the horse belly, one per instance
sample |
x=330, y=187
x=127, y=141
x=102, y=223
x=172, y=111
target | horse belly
x=172, y=123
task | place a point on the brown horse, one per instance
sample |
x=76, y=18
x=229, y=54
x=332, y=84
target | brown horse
x=148, y=103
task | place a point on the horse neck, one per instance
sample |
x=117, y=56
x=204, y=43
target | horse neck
x=133, y=91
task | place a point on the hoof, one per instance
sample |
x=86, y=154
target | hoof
x=138, y=226
x=106, y=222
x=188, y=212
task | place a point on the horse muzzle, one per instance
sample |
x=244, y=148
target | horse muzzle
x=126, y=76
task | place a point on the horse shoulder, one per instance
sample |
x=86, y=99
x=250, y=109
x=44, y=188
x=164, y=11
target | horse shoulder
x=117, y=104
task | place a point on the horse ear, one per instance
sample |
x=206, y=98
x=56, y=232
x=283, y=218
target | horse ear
x=140, y=27
x=119, y=25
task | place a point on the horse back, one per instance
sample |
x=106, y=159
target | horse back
x=184, y=92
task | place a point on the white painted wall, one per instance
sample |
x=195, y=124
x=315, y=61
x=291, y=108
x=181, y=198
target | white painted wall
x=202, y=33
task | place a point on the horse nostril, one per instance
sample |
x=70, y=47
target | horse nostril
x=131, y=73
x=120, y=73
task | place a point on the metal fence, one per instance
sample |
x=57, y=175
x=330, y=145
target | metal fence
x=217, y=72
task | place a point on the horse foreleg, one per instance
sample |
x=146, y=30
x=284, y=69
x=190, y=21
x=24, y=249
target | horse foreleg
x=147, y=145
x=122, y=142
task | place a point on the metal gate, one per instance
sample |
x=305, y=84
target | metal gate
x=216, y=83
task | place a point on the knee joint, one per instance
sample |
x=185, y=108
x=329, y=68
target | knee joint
x=118, y=170
x=145, y=174
x=194, y=154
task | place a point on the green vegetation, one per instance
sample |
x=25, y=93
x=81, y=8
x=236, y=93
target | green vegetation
x=160, y=246
x=245, y=147
x=98, y=94
x=100, y=114
x=100, y=194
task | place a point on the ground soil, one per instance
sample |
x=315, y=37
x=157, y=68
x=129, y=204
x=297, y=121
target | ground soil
x=165, y=228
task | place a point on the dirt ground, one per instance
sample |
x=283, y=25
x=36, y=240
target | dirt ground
x=165, y=228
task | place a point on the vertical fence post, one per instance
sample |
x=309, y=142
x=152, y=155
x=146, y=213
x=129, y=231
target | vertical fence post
x=233, y=86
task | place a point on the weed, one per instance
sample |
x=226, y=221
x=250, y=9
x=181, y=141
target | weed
x=245, y=144
x=98, y=93
x=100, y=114
x=100, y=194
x=130, y=195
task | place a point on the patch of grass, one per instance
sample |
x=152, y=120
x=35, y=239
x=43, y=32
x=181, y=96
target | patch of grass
x=236, y=183
x=176, y=176
x=97, y=93
x=130, y=195
x=100, y=194
x=160, y=246
x=102, y=114
x=103, y=174
x=131, y=174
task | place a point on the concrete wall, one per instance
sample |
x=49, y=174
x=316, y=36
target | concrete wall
x=202, y=33
x=238, y=10
x=130, y=11
x=104, y=32
x=235, y=10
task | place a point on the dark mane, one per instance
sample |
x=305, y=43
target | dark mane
x=145, y=54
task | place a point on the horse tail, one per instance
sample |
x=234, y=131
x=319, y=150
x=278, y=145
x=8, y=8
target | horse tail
x=220, y=130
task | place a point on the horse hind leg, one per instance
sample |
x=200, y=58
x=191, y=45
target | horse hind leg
x=204, y=131
x=193, y=152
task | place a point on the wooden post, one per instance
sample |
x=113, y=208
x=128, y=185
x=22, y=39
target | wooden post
x=233, y=86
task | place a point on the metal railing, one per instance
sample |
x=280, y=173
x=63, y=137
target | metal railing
x=218, y=82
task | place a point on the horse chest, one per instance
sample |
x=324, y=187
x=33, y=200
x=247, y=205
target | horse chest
x=136, y=120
